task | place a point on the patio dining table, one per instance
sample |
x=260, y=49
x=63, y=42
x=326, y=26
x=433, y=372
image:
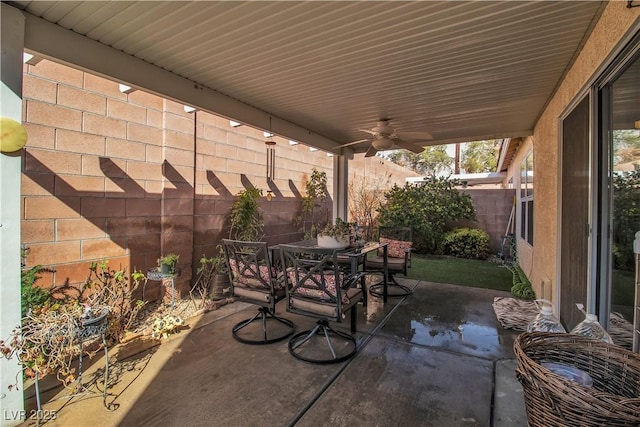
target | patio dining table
x=352, y=255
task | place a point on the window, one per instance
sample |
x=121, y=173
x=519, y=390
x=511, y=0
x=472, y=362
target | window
x=526, y=198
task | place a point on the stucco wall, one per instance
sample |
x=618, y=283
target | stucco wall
x=524, y=249
x=613, y=24
x=131, y=176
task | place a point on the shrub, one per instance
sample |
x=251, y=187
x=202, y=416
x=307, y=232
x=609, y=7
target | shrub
x=426, y=207
x=246, y=217
x=469, y=243
x=366, y=195
x=626, y=218
x=31, y=294
x=47, y=340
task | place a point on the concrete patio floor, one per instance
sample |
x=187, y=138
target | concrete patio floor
x=438, y=357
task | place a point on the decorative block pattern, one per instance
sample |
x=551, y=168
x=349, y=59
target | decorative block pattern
x=114, y=175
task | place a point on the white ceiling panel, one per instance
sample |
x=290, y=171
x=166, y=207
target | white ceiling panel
x=458, y=70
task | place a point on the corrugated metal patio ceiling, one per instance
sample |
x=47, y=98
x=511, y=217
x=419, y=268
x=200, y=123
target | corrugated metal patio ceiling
x=459, y=70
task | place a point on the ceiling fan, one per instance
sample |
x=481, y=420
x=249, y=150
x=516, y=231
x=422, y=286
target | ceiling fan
x=385, y=137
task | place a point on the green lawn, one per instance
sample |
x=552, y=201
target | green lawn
x=459, y=271
x=623, y=288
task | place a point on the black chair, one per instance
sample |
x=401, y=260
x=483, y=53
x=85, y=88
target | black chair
x=399, y=245
x=318, y=287
x=255, y=280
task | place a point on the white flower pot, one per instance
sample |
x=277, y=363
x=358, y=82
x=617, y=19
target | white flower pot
x=332, y=243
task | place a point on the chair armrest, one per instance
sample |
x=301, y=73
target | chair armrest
x=351, y=280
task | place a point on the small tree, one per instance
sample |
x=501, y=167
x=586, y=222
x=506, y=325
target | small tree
x=365, y=198
x=313, y=215
x=246, y=217
x=480, y=156
x=426, y=207
x=434, y=160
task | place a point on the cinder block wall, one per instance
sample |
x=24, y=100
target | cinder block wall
x=493, y=209
x=127, y=177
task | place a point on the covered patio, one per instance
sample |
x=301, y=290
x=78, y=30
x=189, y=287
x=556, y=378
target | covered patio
x=436, y=358
x=322, y=74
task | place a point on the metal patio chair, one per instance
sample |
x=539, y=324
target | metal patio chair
x=319, y=288
x=255, y=280
x=399, y=245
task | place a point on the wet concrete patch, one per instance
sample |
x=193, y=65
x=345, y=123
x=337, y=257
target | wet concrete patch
x=452, y=318
x=395, y=383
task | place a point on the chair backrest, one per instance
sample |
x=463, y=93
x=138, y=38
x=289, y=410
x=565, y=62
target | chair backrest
x=251, y=272
x=399, y=240
x=314, y=281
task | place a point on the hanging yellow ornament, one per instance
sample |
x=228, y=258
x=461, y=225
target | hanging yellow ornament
x=13, y=136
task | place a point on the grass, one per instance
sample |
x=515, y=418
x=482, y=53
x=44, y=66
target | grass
x=623, y=288
x=459, y=271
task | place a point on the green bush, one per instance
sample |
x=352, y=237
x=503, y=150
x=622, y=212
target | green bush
x=32, y=294
x=426, y=207
x=626, y=218
x=246, y=218
x=471, y=243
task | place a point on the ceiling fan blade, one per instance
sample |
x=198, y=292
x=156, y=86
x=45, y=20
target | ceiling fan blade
x=409, y=146
x=371, y=151
x=350, y=143
x=414, y=136
x=368, y=131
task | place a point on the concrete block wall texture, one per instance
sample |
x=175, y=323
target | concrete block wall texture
x=493, y=209
x=129, y=177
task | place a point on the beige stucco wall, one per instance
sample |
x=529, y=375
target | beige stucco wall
x=615, y=21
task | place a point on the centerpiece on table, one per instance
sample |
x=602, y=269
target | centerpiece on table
x=337, y=235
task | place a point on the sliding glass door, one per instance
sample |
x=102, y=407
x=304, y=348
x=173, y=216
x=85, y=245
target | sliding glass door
x=622, y=132
x=600, y=199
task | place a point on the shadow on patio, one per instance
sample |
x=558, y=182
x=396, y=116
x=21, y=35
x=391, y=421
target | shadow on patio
x=436, y=358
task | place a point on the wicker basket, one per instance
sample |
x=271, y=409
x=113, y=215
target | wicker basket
x=552, y=400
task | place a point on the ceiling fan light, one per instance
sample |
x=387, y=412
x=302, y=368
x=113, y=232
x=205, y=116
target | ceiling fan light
x=382, y=143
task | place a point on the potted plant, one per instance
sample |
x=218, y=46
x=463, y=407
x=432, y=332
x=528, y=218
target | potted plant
x=48, y=339
x=246, y=222
x=168, y=263
x=337, y=235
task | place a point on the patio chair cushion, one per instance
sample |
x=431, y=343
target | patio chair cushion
x=252, y=281
x=349, y=298
x=256, y=294
x=310, y=287
x=393, y=264
x=395, y=248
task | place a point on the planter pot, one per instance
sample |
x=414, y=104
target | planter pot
x=219, y=285
x=332, y=243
